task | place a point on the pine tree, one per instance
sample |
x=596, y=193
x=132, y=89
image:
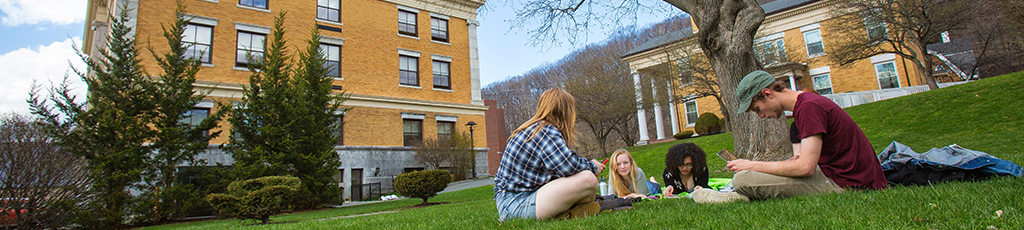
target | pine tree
x=287, y=121
x=177, y=142
x=263, y=145
x=108, y=130
x=319, y=114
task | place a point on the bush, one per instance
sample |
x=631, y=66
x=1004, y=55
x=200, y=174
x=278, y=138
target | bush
x=683, y=135
x=256, y=198
x=422, y=184
x=708, y=123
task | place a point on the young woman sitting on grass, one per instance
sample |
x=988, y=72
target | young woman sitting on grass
x=540, y=176
x=685, y=169
x=627, y=179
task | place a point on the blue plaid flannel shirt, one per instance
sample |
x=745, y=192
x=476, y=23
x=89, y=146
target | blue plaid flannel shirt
x=527, y=165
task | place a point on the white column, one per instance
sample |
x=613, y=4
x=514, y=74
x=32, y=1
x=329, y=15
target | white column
x=672, y=110
x=792, y=83
x=640, y=115
x=658, y=126
x=474, y=64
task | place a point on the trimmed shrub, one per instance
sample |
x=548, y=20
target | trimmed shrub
x=708, y=123
x=683, y=135
x=422, y=184
x=256, y=198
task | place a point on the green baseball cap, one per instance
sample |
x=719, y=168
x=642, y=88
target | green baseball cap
x=750, y=86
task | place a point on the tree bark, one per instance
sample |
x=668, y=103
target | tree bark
x=726, y=32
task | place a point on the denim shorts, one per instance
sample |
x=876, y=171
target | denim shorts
x=516, y=205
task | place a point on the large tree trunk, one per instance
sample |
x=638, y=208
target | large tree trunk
x=726, y=33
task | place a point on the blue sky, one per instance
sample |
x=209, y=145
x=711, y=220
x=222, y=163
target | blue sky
x=37, y=39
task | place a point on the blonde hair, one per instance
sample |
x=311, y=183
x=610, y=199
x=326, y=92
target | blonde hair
x=558, y=108
x=622, y=186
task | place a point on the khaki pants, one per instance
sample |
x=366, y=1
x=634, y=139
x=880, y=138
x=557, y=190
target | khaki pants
x=763, y=186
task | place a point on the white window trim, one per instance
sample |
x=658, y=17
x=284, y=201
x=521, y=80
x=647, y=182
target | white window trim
x=441, y=16
x=878, y=80
x=252, y=28
x=444, y=90
x=205, y=103
x=411, y=53
x=407, y=36
x=883, y=58
x=330, y=22
x=695, y=110
x=332, y=40
x=830, y=85
x=808, y=51
x=410, y=9
x=213, y=1
x=413, y=116
x=438, y=57
x=446, y=118
x=442, y=43
x=770, y=38
x=819, y=70
x=810, y=27
x=202, y=20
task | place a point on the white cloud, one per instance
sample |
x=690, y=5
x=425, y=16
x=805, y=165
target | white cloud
x=44, y=64
x=31, y=12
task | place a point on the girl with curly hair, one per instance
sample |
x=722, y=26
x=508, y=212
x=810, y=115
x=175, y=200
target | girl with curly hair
x=686, y=169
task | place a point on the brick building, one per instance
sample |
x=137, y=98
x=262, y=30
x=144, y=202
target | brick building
x=411, y=68
x=795, y=40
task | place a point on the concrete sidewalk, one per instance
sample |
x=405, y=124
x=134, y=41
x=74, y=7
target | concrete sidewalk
x=454, y=186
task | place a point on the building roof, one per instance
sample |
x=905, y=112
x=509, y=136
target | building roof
x=957, y=52
x=783, y=5
x=769, y=8
x=659, y=41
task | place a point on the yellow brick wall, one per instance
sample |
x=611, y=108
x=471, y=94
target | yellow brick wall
x=369, y=62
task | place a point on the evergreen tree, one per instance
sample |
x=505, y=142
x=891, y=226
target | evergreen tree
x=263, y=145
x=287, y=122
x=319, y=114
x=177, y=141
x=110, y=132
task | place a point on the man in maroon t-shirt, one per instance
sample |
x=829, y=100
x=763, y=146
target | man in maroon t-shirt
x=834, y=154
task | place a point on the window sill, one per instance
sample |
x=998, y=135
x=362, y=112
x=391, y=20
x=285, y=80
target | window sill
x=330, y=22
x=690, y=125
x=443, y=90
x=339, y=79
x=816, y=55
x=213, y=1
x=440, y=42
x=410, y=86
x=206, y=65
x=407, y=36
x=252, y=8
x=242, y=69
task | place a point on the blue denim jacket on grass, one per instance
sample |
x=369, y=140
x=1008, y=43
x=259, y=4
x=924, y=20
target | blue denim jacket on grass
x=952, y=157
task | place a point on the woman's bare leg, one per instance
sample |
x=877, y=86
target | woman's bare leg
x=560, y=194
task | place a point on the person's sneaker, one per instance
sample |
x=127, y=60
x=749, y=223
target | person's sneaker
x=705, y=196
x=580, y=211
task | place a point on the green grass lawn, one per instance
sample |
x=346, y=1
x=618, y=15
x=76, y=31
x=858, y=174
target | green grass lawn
x=984, y=115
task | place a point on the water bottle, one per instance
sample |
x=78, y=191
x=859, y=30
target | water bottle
x=604, y=188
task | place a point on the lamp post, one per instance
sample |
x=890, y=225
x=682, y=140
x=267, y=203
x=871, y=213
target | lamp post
x=472, y=145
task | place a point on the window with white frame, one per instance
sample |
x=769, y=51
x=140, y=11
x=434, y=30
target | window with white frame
x=332, y=54
x=887, y=77
x=407, y=22
x=198, y=39
x=444, y=130
x=691, y=112
x=812, y=39
x=771, y=52
x=194, y=117
x=442, y=75
x=253, y=3
x=329, y=10
x=408, y=70
x=439, y=29
x=341, y=131
x=874, y=25
x=822, y=83
x=250, y=45
x=685, y=71
x=412, y=130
